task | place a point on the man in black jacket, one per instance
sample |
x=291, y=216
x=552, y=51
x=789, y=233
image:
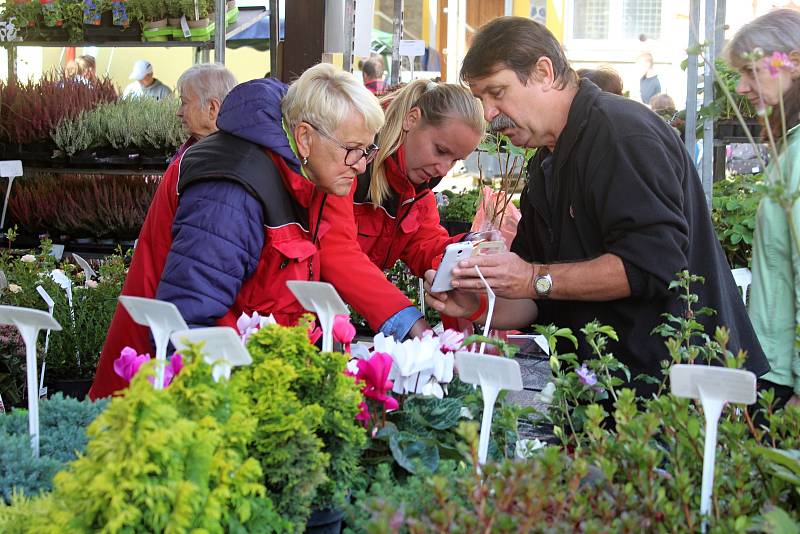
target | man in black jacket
x=612, y=210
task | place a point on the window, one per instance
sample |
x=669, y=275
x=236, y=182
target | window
x=615, y=19
x=641, y=17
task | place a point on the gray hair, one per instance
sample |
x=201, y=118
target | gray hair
x=208, y=81
x=777, y=31
x=324, y=95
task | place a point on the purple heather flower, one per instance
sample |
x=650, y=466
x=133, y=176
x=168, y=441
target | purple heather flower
x=778, y=61
x=586, y=376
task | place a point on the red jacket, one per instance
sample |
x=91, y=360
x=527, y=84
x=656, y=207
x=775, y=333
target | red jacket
x=288, y=254
x=405, y=226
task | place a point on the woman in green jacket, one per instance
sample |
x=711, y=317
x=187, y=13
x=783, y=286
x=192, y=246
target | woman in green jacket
x=767, y=54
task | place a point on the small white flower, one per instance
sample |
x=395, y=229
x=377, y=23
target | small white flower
x=432, y=388
x=352, y=366
x=525, y=448
x=546, y=395
x=14, y=288
x=465, y=413
x=28, y=258
x=91, y=284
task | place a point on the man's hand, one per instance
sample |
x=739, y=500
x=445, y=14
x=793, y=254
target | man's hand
x=507, y=274
x=453, y=303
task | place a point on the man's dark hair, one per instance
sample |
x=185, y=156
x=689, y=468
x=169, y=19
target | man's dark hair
x=605, y=78
x=516, y=43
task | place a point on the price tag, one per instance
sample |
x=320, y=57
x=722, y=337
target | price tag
x=185, y=27
x=412, y=47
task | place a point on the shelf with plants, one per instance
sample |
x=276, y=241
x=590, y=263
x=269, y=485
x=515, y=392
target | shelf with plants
x=134, y=23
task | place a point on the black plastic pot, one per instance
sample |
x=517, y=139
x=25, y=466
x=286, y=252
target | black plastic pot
x=327, y=521
x=456, y=227
x=107, y=31
x=77, y=389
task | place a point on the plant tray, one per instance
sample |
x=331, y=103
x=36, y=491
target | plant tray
x=157, y=34
x=197, y=34
x=113, y=33
x=232, y=16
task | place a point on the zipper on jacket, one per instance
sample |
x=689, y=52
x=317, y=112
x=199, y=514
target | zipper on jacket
x=314, y=239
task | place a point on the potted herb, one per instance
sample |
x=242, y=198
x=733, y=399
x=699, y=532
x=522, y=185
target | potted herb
x=458, y=209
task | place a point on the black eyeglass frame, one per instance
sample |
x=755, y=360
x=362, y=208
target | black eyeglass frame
x=368, y=153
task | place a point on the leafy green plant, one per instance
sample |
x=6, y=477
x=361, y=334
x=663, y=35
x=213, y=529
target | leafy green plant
x=460, y=206
x=320, y=384
x=513, y=169
x=734, y=206
x=62, y=426
x=174, y=459
x=722, y=107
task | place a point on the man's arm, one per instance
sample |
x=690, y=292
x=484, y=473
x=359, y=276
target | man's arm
x=600, y=279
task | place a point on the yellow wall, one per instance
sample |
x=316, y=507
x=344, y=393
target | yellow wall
x=555, y=18
x=522, y=8
x=168, y=63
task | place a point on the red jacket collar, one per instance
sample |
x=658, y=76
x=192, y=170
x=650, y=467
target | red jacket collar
x=298, y=185
x=397, y=174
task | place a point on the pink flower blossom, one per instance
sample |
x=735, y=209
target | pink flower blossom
x=314, y=333
x=343, y=331
x=451, y=340
x=374, y=374
x=777, y=62
x=129, y=362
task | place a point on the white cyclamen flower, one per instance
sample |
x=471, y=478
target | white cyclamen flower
x=14, y=288
x=28, y=258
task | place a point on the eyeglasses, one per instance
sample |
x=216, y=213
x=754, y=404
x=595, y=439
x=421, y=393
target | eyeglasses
x=352, y=155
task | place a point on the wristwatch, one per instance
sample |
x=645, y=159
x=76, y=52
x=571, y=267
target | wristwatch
x=543, y=282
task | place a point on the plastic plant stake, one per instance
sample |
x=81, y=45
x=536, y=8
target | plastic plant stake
x=88, y=272
x=3, y=280
x=489, y=311
x=322, y=299
x=491, y=373
x=29, y=322
x=51, y=305
x=714, y=386
x=10, y=170
x=222, y=348
x=162, y=318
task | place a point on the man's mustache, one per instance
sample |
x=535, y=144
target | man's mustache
x=501, y=122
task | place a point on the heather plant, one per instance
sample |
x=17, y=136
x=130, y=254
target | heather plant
x=72, y=136
x=29, y=112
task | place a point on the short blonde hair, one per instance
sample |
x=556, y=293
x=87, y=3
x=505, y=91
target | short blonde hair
x=324, y=95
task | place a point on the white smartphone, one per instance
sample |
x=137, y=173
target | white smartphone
x=454, y=253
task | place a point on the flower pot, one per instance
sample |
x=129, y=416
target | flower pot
x=77, y=389
x=155, y=24
x=326, y=521
x=456, y=227
x=174, y=22
x=202, y=23
x=230, y=4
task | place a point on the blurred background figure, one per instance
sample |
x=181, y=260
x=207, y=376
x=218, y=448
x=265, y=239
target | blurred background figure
x=605, y=78
x=649, y=84
x=372, y=72
x=87, y=69
x=144, y=83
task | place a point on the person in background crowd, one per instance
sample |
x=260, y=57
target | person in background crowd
x=70, y=69
x=203, y=88
x=604, y=77
x=649, y=84
x=144, y=83
x=243, y=210
x=662, y=103
x=87, y=68
x=613, y=208
x=775, y=290
x=372, y=72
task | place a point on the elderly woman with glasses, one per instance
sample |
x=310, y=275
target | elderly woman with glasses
x=254, y=205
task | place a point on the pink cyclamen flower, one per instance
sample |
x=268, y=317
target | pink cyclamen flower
x=343, y=331
x=374, y=373
x=129, y=362
x=586, y=376
x=314, y=333
x=777, y=62
x=451, y=340
x=172, y=368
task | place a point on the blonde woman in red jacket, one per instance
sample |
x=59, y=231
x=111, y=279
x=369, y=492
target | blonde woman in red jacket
x=429, y=127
